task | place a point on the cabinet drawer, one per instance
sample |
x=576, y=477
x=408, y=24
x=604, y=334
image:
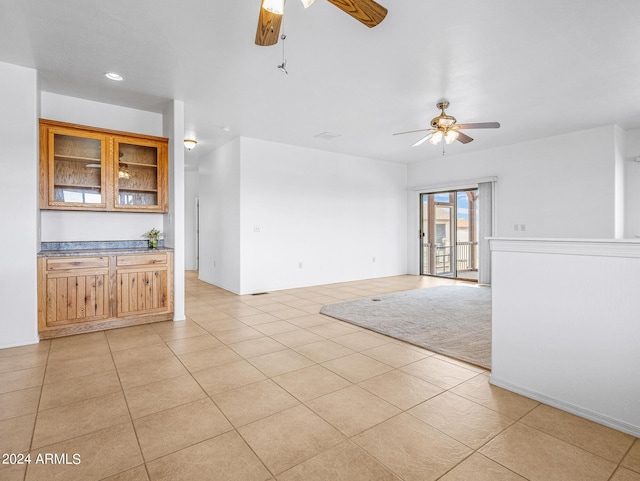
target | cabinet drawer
x=141, y=260
x=66, y=263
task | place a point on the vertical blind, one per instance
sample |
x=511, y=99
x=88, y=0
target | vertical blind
x=485, y=199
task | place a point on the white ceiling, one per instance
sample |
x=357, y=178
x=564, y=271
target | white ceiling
x=540, y=68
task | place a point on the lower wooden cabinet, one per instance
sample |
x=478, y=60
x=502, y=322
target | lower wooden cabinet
x=84, y=294
x=142, y=283
x=81, y=296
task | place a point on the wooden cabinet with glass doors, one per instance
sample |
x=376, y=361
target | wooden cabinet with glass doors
x=86, y=168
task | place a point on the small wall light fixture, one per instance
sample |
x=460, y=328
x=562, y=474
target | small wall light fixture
x=190, y=143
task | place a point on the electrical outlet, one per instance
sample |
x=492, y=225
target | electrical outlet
x=374, y=259
x=515, y=227
x=214, y=263
x=256, y=228
x=523, y=227
x=299, y=265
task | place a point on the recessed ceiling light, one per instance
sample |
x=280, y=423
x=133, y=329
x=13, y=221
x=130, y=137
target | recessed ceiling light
x=114, y=76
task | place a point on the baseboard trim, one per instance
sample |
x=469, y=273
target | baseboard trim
x=568, y=407
x=112, y=323
x=27, y=342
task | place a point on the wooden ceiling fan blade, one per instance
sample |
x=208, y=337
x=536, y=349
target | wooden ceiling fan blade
x=464, y=138
x=268, y=29
x=479, y=125
x=367, y=12
x=411, y=131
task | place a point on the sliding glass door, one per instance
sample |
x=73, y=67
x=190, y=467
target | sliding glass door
x=449, y=234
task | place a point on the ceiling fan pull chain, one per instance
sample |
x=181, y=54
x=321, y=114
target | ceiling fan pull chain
x=283, y=65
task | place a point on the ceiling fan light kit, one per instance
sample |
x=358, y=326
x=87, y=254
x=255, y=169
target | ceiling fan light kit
x=274, y=6
x=436, y=137
x=447, y=127
x=451, y=136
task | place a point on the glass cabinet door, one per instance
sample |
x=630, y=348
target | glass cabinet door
x=78, y=167
x=139, y=175
x=88, y=168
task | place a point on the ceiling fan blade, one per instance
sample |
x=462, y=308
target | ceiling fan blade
x=479, y=125
x=464, y=138
x=268, y=28
x=411, y=131
x=422, y=140
x=367, y=12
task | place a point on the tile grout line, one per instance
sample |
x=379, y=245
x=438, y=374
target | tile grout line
x=618, y=465
x=297, y=399
x=145, y=462
x=35, y=421
x=234, y=428
x=126, y=401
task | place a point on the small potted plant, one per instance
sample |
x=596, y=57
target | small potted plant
x=154, y=235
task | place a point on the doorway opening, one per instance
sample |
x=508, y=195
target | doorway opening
x=449, y=233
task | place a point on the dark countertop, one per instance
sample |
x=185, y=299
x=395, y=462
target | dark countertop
x=103, y=252
x=98, y=248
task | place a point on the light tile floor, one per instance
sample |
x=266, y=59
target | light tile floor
x=265, y=388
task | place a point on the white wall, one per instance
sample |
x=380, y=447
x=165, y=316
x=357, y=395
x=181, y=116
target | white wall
x=331, y=213
x=561, y=186
x=267, y=208
x=632, y=185
x=190, y=220
x=219, y=190
x=19, y=200
x=571, y=343
x=60, y=226
x=98, y=114
x=98, y=226
x=173, y=220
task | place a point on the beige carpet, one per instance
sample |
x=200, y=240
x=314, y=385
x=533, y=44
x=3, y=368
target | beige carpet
x=450, y=320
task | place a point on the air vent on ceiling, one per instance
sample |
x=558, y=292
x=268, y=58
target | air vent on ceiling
x=327, y=136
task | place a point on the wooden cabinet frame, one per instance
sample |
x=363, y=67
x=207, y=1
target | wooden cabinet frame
x=78, y=294
x=110, y=140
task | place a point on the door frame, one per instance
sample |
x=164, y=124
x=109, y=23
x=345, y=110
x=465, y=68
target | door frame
x=415, y=240
x=453, y=231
